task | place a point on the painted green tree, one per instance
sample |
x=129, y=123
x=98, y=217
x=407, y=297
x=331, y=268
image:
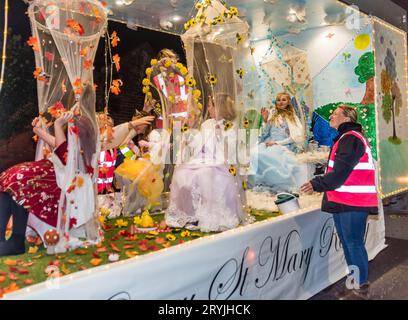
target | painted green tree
x=391, y=95
x=366, y=72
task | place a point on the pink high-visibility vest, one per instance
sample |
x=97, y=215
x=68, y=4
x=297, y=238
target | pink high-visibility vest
x=359, y=190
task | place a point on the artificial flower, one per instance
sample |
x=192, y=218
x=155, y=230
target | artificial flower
x=212, y=79
x=33, y=43
x=183, y=71
x=167, y=63
x=196, y=93
x=120, y=223
x=88, y=65
x=148, y=71
x=185, y=233
x=240, y=72
x=116, y=61
x=76, y=26
x=184, y=128
x=232, y=170
x=84, y=52
x=114, y=39
x=95, y=262
x=190, y=82
x=228, y=125
x=115, y=87
x=233, y=11
x=246, y=123
x=153, y=62
x=170, y=237
x=239, y=38
x=56, y=109
x=145, y=82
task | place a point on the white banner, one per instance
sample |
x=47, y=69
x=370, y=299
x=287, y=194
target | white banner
x=289, y=257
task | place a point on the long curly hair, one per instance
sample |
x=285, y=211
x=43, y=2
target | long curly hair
x=288, y=112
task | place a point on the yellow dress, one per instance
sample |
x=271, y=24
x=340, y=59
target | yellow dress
x=143, y=174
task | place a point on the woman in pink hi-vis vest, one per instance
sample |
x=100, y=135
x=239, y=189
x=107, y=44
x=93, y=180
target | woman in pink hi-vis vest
x=350, y=194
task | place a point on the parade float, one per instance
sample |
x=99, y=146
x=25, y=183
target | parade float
x=324, y=53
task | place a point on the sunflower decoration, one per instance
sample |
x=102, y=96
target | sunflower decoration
x=240, y=73
x=232, y=170
x=244, y=185
x=233, y=12
x=184, y=128
x=190, y=81
x=199, y=6
x=218, y=20
x=246, y=123
x=239, y=38
x=227, y=125
x=201, y=18
x=212, y=79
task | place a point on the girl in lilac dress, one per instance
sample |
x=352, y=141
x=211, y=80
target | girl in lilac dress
x=206, y=192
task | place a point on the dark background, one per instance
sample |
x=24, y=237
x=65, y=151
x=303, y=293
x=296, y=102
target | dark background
x=18, y=99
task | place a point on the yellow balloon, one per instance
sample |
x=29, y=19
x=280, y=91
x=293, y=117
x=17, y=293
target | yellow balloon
x=362, y=41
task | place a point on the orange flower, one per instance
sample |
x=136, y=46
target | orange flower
x=76, y=26
x=96, y=262
x=56, y=109
x=39, y=75
x=115, y=87
x=84, y=52
x=33, y=43
x=114, y=39
x=116, y=61
x=88, y=64
x=78, y=86
x=80, y=181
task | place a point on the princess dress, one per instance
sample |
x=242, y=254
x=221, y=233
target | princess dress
x=142, y=179
x=34, y=186
x=275, y=168
x=203, y=192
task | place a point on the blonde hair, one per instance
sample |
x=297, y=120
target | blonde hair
x=349, y=112
x=288, y=112
x=225, y=106
x=167, y=53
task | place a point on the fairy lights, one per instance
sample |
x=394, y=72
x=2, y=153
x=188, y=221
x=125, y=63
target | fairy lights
x=3, y=56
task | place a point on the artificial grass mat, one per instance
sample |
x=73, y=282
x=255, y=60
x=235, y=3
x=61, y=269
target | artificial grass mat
x=17, y=272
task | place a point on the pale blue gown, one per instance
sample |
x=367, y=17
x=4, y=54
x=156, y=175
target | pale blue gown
x=275, y=168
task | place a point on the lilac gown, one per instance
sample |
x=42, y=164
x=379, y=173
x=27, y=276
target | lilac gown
x=203, y=190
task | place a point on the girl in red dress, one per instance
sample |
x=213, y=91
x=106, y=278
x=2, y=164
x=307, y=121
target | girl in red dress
x=31, y=187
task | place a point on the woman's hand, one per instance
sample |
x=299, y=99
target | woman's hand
x=307, y=188
x=64, y=118
x=36, y=123
x=270, y=143
x=142, y=121
x=265, y=114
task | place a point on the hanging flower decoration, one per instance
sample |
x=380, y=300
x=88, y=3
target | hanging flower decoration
x=84, y=52
x=246, y=123
x=116, y=61
x=190, y=81
x=49, y=56
x=56, y=109
x=78, y=88
x=153, y=62
x=232, y=170
x=40, y=75
x=88, y=65
x=75, y=26
x=227, y=125
x=184, y=128
x=239, y=38
x=114, y=39
x=212, y=79
x=240, y=73
x=148, y=71
x=115, y=87
x=33, y=43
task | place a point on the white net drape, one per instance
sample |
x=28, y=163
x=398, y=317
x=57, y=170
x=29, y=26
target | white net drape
x=67, y=35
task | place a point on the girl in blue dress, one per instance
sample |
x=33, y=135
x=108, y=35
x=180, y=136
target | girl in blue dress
x=273, y=161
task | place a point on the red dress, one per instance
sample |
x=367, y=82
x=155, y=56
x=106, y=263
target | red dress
x=34, y=186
